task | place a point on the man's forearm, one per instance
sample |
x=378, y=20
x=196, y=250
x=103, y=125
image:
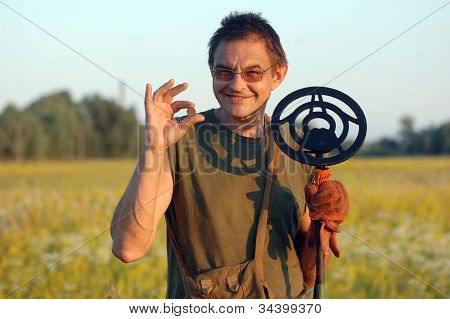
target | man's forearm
x=141, y=207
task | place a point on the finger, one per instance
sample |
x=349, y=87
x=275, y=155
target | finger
x=179, y=105
x=332, y=226
x=324, y=196
x=148, y=96
x=159, y=94
x=326, y=212
x=332, y=211
x=335, y=186
x=169, y=95
x=334, y=245
x=190, y=121
x=191, y=112
x=311, y=189
x=325, y=240
x=316, y=214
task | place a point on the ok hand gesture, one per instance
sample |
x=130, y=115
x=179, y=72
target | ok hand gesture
x=162, y=130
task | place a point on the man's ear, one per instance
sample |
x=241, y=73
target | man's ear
x=278, y=75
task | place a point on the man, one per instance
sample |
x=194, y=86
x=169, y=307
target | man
x=207, y=174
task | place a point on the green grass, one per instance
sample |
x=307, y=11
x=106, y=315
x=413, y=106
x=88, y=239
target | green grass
x=49, y=210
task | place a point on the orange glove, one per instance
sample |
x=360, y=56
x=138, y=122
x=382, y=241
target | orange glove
x=327, y=201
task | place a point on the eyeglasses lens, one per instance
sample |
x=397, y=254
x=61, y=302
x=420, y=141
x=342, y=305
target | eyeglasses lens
x=247, y=76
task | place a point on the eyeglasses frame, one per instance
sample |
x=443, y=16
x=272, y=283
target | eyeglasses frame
x=242, y=77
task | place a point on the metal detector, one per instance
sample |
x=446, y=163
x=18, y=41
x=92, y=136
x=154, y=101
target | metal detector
x=320, y=147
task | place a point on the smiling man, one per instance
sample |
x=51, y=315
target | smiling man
x=243, y=98
x=235, y=207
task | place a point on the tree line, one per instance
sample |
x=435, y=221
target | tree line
x=57, y=127
x=433, y=140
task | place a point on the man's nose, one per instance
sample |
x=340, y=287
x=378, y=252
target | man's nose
x=237, y=82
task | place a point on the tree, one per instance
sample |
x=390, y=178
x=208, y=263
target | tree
x=408, y=143
x=114, y=128
x=58, y=115
x=441, y=139
x=12, y=126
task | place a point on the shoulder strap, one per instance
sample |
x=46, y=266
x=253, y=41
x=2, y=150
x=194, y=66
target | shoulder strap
x=183, y=269
x=269, y=189
x=170, y=231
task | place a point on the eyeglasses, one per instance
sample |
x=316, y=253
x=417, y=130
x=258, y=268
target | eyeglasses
x=249, y=76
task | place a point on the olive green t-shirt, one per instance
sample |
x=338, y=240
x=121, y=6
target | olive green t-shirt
x=218, y=188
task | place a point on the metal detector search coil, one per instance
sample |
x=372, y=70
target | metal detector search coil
x=317, y=142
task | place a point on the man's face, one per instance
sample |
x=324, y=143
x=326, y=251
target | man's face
x=238, y=98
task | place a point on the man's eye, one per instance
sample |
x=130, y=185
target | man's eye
x=224, y=72
x=253, y=74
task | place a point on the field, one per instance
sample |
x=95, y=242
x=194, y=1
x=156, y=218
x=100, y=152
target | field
x=55, y=241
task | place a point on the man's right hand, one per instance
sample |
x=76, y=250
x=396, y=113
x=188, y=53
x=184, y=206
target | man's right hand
x=162, y=130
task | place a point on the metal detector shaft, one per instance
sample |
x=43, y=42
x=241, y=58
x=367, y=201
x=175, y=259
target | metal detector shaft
x=322, y=174
x=319, y=286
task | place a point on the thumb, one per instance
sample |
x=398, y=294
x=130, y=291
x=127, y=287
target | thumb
x=190, y=121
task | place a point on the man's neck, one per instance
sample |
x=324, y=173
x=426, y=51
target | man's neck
x=252, y=126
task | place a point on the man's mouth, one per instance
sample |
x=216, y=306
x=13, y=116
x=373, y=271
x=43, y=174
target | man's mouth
x=237, y=98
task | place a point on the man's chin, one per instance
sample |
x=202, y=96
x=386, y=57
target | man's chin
x=242, y=113
x=242, y=117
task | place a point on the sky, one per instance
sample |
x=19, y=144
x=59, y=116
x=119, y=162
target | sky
x=143, y=42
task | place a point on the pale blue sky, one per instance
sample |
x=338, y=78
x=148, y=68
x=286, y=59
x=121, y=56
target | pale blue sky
x=153, y=41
